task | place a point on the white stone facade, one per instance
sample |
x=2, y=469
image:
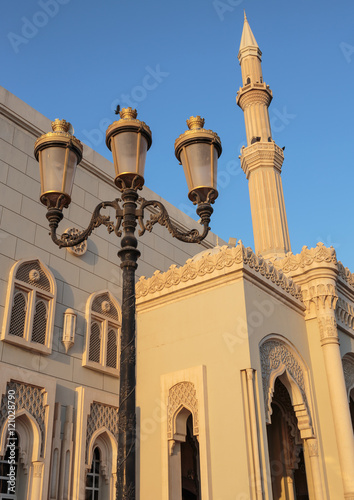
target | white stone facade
x=57, y=362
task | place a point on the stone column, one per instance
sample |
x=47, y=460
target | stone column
x=36, y=481
x=254, y=432
x=312, y=446
x=326, y=299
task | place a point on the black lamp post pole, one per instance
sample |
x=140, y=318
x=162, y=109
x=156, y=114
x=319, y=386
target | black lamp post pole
x=129, y=255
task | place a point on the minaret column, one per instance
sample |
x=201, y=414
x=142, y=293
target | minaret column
x=262, y=159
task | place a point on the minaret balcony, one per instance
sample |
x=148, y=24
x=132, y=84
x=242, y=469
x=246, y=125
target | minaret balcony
x=261, y=155
x=254, y=93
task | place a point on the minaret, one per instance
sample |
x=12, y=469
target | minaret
x=262, y=159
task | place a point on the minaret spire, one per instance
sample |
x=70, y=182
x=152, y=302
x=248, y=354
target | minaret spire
x=262, y=159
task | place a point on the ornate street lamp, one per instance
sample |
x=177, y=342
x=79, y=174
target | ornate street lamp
x=129, y=139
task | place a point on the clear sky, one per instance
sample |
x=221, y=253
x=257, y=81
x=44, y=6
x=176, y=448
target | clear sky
x=76, y=59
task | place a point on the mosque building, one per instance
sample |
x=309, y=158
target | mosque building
x=245, y=358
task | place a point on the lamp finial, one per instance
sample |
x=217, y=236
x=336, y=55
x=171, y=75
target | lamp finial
x=128, y=113
x=195, y=122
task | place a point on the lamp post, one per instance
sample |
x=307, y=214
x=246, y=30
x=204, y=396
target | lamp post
x=129, y=139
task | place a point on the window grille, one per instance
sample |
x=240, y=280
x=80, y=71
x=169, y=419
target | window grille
x=18, y=314
x=39, y=323
x=92, y=488
x=95, y=343
x=112, y=348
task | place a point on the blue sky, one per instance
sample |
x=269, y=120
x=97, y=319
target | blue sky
x=75, y=59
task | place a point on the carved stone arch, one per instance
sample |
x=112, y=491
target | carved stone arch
x=30, y=438
x=348, y=369
x=108, y=446
x=279, y=359
x=182, y=399
x=101, y=302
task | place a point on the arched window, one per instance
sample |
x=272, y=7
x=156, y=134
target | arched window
x=30, y=305
x=103, y=317
x=93, y=480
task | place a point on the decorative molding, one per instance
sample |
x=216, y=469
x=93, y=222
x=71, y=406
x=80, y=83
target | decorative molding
x=348, y=369
x=181, y=395
x=345, y=313
x=323, y=295
x=30, y=398
x=77, y=250
x=261, y=155
x=345, y=274
x=101, y=415
x=251, y=96
x=312, y=445
x=210, y=261
x=37, y=469
x=328, y=328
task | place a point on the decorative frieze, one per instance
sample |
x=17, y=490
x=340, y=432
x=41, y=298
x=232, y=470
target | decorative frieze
x=223, y=258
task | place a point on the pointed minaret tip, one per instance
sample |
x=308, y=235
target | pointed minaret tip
x=247, y=39
x=244, y=15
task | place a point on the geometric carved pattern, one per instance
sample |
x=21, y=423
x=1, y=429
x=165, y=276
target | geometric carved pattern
x=101, y=416
x=348, y=368
x=274, y=355
x=184, y=395
x=224, y=258
x=30, y=398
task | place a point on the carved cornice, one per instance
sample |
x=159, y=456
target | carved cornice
x=306, y=258
x=261, y=154
x=219, y=259
x=345, y=274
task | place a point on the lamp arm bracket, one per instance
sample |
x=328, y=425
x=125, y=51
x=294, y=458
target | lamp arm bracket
x=54, y=216
x=162, y=218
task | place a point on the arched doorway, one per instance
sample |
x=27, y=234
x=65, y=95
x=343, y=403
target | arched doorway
x=286, y=454
x=190, y=470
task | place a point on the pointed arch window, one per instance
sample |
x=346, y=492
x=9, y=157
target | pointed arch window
x=30, y=306
x=103, y=317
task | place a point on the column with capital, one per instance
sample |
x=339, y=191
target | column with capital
x=325, y=299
